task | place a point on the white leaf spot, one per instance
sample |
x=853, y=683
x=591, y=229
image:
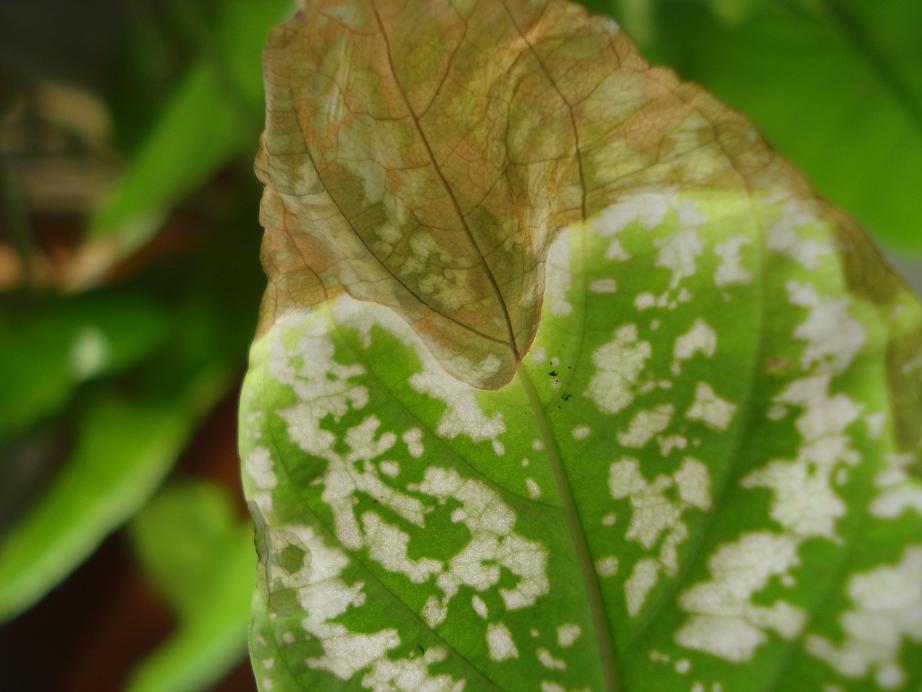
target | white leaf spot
x=710, y=409
x=887, y=608
x=618, y=365
x=568, y=633
x=500, y=643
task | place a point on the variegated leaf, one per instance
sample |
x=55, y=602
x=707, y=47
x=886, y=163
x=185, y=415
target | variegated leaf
x=565, y=380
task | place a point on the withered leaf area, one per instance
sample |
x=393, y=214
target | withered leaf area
x=424, y=155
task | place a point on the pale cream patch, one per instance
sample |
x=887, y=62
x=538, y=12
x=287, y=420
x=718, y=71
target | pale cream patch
x=644, y=301
x=559, y=275
x=534, y=490
x=603, y=286
x=548, y=660
x=412, y=674
x=875, y=423
x=898, y=491
x=679, y=250
x=324, y=597
x=387, y=545
x=804, y=502
x=390, y=468
x=479, y=606
x=347, y=475
x=834, y=338
x=607, y=566
x=655, y=514
x=699, y=339
x=638, y=585
x=321, y=384
x=493, y=544
x=711, y=409
x=413, y=439
x=647, y=208
x=658, y=656
x=731, y=271
x=618, y=365
x=580, y=432
x=693, y=483
x=259, y=468
x=463, y=414
x=500, y=643
x=669, y=443
x=568, y=633
x=783, y=237
x=645, y=425
x=723, y=620
x=887, y=608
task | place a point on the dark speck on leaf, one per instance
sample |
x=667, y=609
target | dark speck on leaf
x=553, y=373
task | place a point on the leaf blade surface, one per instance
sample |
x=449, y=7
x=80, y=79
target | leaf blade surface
x=665, y=478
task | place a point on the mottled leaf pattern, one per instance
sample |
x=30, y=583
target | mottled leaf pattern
x=565, y=380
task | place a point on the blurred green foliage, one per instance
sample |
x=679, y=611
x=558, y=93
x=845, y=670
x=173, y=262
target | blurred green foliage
x=45, y=355
x=106, y=375
x=213, y=116
x=200, y=555
x=106, y=380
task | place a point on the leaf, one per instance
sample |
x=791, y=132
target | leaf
x=734, y=11
x=695, y=466
x=201, y=558
x=46, y=353
x=859, y=139
x=124, y=448
x=207, y=122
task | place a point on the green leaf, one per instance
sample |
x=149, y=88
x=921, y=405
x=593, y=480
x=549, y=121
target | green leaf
x=565, y=379
x=46, y=353
x=125, y=446
x=201, y=558
x=734, y=11
x=859, y=138
x=209, y=120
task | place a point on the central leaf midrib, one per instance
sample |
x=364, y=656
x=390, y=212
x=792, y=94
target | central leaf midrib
x=600, y=625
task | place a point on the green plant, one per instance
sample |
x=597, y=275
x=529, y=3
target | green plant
x=565, y=379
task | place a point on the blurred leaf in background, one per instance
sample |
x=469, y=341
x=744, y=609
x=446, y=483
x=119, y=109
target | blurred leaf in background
x=214, y=114
x=126, y=443
x=46, y=353
x=200, y=554
x=130, y=299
